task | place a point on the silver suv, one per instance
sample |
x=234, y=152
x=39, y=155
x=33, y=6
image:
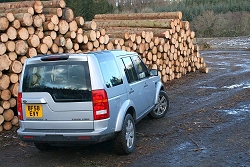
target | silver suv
x=87, y=98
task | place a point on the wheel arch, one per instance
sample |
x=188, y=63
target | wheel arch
x=159, y=87
x=127, y=107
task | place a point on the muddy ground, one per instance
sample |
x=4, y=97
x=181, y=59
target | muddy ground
x=208, y=125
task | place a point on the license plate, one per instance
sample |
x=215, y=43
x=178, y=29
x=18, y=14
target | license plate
x=34, y=111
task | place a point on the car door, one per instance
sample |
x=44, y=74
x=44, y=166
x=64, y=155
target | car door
x=135, y=87
x=148, y=81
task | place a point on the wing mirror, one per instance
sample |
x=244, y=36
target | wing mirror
x=153, y=72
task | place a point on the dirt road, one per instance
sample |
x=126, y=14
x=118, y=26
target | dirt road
x=208, y=125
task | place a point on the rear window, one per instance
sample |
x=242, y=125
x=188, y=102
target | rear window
x=65, y=81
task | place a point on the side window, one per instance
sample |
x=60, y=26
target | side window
x=141, y=68
x=110, y=71
x=129, y=70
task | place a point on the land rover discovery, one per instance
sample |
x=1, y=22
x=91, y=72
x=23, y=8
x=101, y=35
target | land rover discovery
x=87, y=98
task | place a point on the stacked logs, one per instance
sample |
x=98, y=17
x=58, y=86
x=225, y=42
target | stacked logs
x=29, y=28
x=163, y=40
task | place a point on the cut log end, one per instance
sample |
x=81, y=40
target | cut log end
x=4, y=23
x=203, y=70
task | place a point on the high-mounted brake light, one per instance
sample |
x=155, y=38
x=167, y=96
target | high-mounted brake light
x=19, y=106
x=55, y=57
x=100, y=104
x=28, y=137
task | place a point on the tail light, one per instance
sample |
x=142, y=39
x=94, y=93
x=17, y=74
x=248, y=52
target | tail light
x=19, y=106
x=100, y=104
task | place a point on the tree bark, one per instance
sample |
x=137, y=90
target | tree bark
x=68, y=14
x=12, y=101
x=54, y=48
x=60, y=41
x=70, y=34
x=55, y=11
x=87, y=47
x=91, y=34
x=18, y=10
x=40, y=34
x=109, y=46
x=14, y=121
x=79, y=38
x=118, y=34
x=139, y=16
x=54, y=4
x=22, y=59
x=52, y=17
x=96, y=43
x=24, y=18
x=89, y=25
x=48, y=26
x=203, y=70
x=14, y=89
x=1, y=119
x=2, y=48
x=52, y=34
x=68, y=44
x=156, y=23
x=79, y=20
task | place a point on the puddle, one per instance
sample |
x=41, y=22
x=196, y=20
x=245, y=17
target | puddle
x=207, y=87
x=242, y=85
x=246, y=87
x=245, y=109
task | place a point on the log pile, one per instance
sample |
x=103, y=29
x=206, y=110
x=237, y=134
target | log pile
x=163, y=40
x=29, y=28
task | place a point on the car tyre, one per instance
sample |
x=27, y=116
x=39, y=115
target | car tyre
x=162, y=106
x=124, y=143
x=42, y=146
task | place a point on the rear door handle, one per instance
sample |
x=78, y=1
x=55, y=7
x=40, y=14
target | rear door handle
x=131, y=91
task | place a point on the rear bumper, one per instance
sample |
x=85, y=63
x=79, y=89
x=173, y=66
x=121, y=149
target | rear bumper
x=59, y=136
